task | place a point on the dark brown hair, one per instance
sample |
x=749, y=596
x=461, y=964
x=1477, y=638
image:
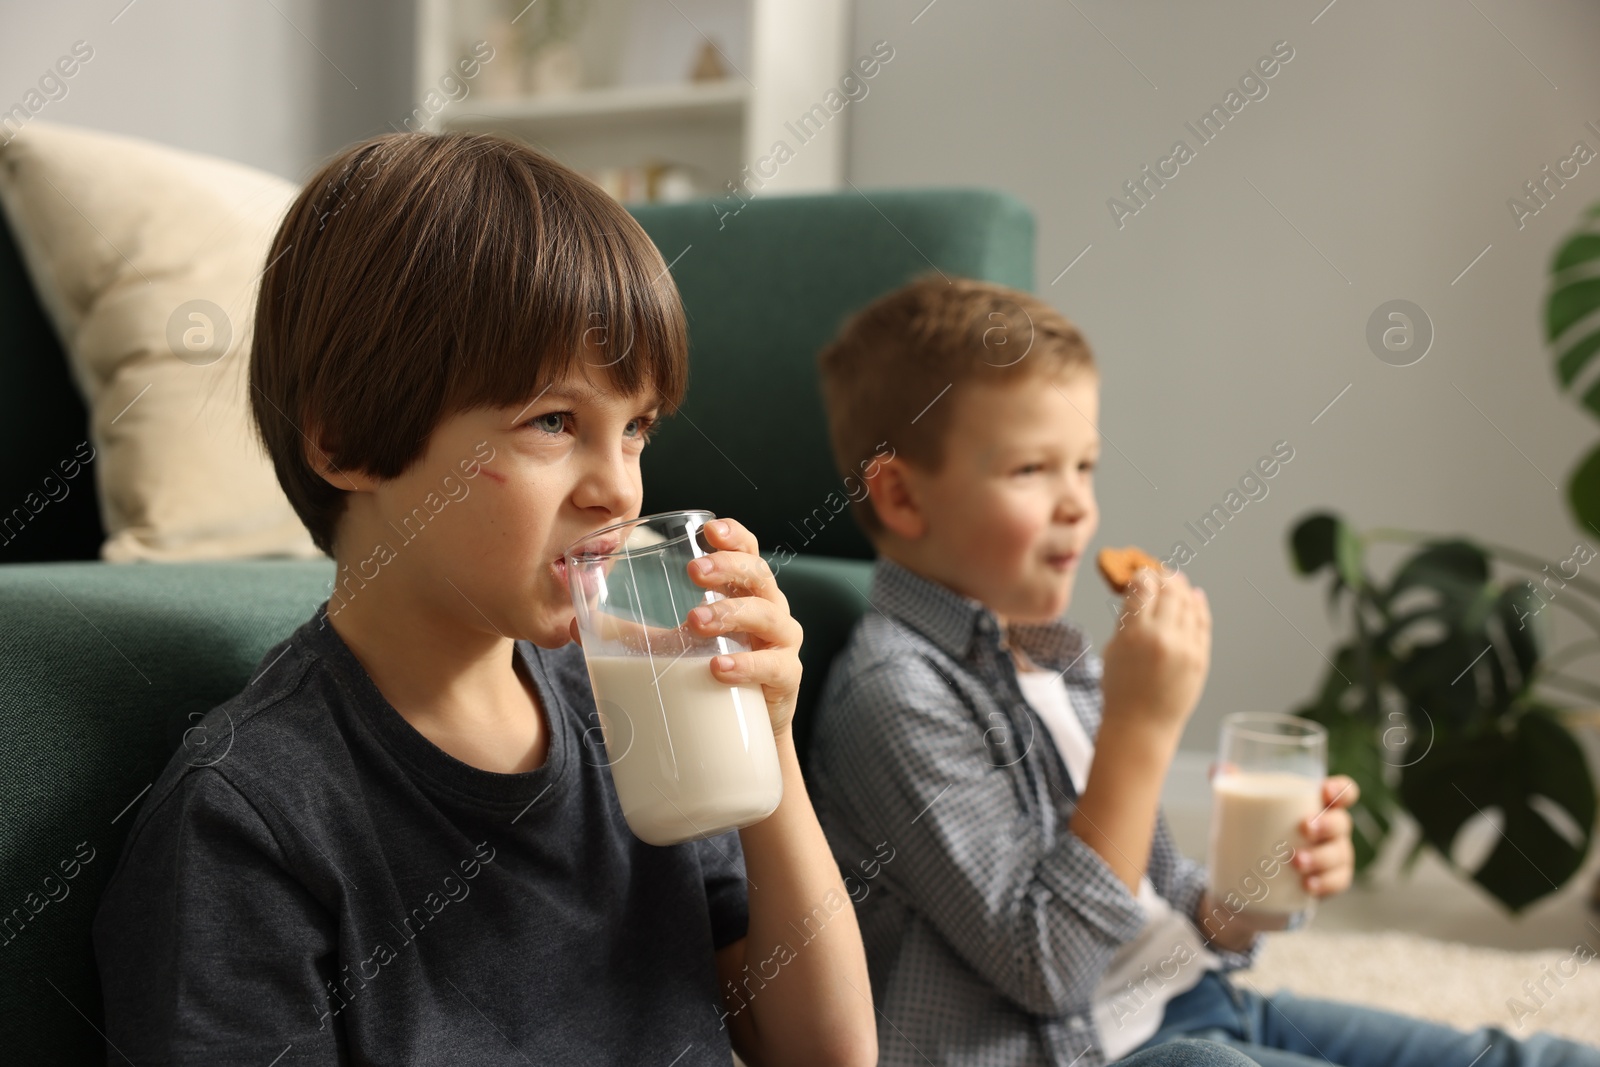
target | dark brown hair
x=894, y=358
x=419, y=275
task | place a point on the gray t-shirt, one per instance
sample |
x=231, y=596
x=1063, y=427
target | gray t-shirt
x=311, y=880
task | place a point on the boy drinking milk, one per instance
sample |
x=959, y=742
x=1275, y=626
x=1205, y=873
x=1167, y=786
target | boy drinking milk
x=412, y=852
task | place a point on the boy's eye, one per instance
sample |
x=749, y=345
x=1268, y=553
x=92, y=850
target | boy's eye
x=1034, y=468
x=554, y=422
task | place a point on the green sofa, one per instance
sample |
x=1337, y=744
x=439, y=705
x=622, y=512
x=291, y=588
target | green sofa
x=107, y=666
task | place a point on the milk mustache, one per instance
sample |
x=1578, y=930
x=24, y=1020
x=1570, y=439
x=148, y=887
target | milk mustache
x=1255, y=821
x=689, y=754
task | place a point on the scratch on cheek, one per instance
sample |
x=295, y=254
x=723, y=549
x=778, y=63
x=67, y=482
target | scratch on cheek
x=501, y=478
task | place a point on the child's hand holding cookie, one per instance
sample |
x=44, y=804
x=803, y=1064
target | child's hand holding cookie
x=1156, y=664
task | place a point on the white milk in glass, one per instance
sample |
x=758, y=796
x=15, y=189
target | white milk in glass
x=688, y=754
x=1255, y=821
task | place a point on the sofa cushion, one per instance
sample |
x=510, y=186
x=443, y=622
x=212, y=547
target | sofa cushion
x=146, y=260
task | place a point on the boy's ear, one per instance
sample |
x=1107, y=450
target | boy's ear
x=352, y=481
x=891, y=487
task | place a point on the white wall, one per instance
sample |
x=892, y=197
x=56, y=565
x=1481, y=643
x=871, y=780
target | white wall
x=277, y=84
x=1392, y=141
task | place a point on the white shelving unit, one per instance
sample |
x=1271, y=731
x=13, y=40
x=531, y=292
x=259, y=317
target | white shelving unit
x=724, y=132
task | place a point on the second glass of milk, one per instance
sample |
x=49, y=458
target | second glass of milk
x=1267, y=780
x=690, y=756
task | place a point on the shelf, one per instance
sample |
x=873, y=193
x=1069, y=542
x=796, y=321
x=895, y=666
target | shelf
x=792, y=53
x=619, y=106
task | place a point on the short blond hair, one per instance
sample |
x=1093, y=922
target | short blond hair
x=923, y=343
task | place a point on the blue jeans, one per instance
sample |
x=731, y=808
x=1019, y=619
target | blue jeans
x=1283, y=1030
x=1184, y=1052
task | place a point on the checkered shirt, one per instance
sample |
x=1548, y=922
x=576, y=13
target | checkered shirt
x=989, y=924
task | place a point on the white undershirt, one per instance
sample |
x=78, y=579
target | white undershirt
x=1168, y=956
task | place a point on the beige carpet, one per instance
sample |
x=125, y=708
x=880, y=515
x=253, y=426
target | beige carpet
x=1461, y=985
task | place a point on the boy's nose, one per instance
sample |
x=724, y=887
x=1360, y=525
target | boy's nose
x=610, y=484
x=1075, y=506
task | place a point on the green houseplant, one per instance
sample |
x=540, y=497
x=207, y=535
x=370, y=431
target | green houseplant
x=1443, y=703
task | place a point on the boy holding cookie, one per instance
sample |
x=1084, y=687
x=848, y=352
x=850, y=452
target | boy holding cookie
x=1034, y=908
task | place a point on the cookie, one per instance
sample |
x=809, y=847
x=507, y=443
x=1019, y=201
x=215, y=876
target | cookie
x=1118, y=564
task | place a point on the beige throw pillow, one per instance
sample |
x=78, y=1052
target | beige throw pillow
x=147, y=260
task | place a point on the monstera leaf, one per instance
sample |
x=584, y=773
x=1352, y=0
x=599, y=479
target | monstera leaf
x=1572, y=330
x=1532, y=781
x=1323, y=540
x=1583, y=489
x=1456, y=569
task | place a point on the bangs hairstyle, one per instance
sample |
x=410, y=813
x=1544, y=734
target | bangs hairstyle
x=884, y=375
x=420, y=275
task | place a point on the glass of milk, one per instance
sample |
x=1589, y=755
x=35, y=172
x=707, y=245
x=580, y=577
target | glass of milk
x=690, y=756
x=1268, y=778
